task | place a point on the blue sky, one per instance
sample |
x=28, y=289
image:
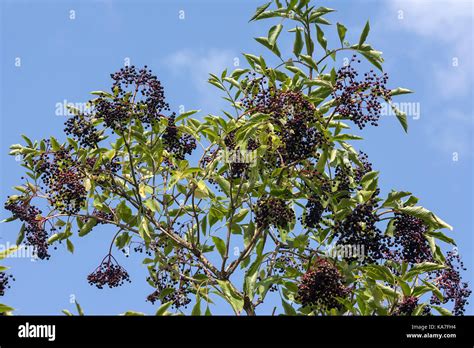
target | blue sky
x=427, y=46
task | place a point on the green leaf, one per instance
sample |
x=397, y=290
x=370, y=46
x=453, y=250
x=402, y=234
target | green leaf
x=373, y=58
x=185, y=115
x=321, y=39
x=363, y=35
x=79, y=308
x=54, y=144
x=68, y=313
x=273, y=34
x=133, y=314
x=379, y=272
x=88, y=226
x=289, y=310
x=401, y=116
x=368, y=177
x=21, y=235
x=223, y=183
x=260, y=10
x=163, y=308
x=421, y=268
x=399, y=90
x=264, y=42
x=441, y=236
x=5, y=253
x=235, y=299
x=4, y=308
x=220, y=245
x=70, y=246
x=442, y=311
x=197, y=307
x=394, y=196
x=427, y=216
x=341, y=31
x=102, y=94
x=309, y=61
x=298, y=45
x=344, y=137
x=251, y=277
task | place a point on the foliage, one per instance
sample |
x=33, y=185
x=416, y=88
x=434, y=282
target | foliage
x=279, y=180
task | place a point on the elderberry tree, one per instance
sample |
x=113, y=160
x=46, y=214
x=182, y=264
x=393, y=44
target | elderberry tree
x=276, y=176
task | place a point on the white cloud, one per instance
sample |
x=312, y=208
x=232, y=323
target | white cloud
x=448, y=27
x=197, y=66
x=447, y=22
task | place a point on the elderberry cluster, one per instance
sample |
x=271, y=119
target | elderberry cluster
x=102, y=216
x=110, y=273
x=357, y=100
x=177, y=143
x=321, y=286
x=363, y=169
x=409, y=235
x=177, y=290
x=81, y=127
x=129, y=79
x=342, y=180
x=449, y=281
x=313, y=212
x=238, y=168
x=63, y=179
x=5, y=282
x=407, y=306
x=294, y=116
x=359, y=228
x=273, y=212
x=35, y=234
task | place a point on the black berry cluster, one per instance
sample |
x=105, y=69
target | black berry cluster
x=116, y=113
x=64, y=181
x=131, y=80
x=294, y=116
x=313, y=212
x=81, y=127
x=321, y=286
x=407, y=306
x=110, y=273
x=357, y=100
x=102, y=216
x=177, y=143
x=365, y=168
x=410, y=238
x=177, y=290
x=35, y=233
x=342, y=181
x=138, y=95
x=273, y=212
x=359, y=229
x=5, y=282
x=449, y=281
x=238, y=167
